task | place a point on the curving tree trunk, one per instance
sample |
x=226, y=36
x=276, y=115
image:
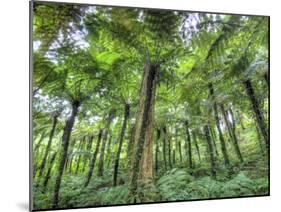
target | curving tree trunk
x=142, y=155
x=122, y=134
x=93, y=160
x=214, y=138
x=63, y=152
x=46, y=153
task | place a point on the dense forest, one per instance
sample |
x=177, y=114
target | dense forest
x=142, y=105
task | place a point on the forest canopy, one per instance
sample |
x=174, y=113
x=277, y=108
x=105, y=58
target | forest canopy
x=134, y=105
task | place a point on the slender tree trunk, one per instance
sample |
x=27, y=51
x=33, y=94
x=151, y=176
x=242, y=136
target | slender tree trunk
x=257, y=111
x=266, y=78
x=102, y=152
x=88, y=148
x=213, y=136
x=179, y=146
x=46, y=153
x=259, y=140
x=63, y=152
x=169, y=150
x=82, y=144
x=232, y=134
x=164, y=147
x=157, y=149
x=39, y=144
x=210, y=150
x=48, y=174
x=108, y=151
x=142, y=161
x=70, y=157
x=188, y=142
x=93, y=160
x=122, y=134
x=222, y=142
x=196, y=145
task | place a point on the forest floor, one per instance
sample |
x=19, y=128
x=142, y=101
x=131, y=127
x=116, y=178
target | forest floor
x=247, y=179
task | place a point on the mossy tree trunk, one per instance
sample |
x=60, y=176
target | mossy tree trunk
x=48, y=174
x=142, y=155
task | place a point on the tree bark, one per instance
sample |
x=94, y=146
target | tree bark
x=82, y=144
x=46, y=153
x=142, y=161
x=214, y=138
x=188, y=142
x=257, y=110
x=157, y=149
x=232, y=134
x=48, y=174
x=196, y=145
x=123, y=130
x=88, y=148
x=93, y=160
x=63, y=152
x=164, y=147
x=210, y=150
x=222, y=142
x=102, y=152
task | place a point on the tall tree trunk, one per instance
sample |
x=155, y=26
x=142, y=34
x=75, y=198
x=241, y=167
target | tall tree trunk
x=63, y=152
x=266, y=78
x=214, y=138
x=169, y=150
x=210, y=150
x=93, y=160
x=69, y=159
x=108, y=151
x=142, y=161
x=259, y=140
x=46, y=153
x=123, y=130
x=48, y=174
x=82, y=144
x=196, y=144
x=39, y=144
x=257, y=110
x=157, y=150
x=178, y=142
x=164, y=150
x=188, y=142
x=88, y=148
x=222, y=142
x=102, y=152
x=232, y=134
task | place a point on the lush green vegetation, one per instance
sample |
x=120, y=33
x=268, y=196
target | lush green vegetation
x=134, y=106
